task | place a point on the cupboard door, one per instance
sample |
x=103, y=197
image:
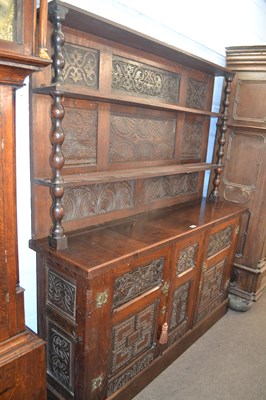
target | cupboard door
x=216, y=268
x=140, y=289
x=186, y=260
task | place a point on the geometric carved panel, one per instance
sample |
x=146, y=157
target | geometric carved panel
x=196, y=94
x=83, y=201
x=81, y=66
x=179, y=307
x=80, y=128
x=60, y=356
x=61, y=294
x=187, y=258
x=220, y=240
x=133, y=336
x=192, y=140
x=132, y=284
x=144, y=80
x=212, y=283
x=170, y=186
x=141, y=139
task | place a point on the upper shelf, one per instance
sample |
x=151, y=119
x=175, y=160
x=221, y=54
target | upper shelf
x=126, y=174
x=101, y=27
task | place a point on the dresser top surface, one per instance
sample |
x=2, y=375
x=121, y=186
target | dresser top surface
x=118, y=240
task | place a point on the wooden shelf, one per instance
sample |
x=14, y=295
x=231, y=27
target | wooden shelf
x=92, y=95
x=126, y=174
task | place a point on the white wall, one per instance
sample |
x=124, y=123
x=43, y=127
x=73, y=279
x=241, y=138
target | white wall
x=203, y=28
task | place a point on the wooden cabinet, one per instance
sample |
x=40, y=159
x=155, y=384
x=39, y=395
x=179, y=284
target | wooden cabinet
x=133, y=265
x=244, y=175
x=104, y=300
x=22, y=353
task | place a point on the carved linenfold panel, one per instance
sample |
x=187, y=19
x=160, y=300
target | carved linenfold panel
x=132, y=284
x=133, y=336
x=141, y=138
x=139, y=79
x=81, y=66
x=212, y=283
x=192, y=140
x=196, y=94
x=187, y=258
x=83, y=201
x=60, y=356
x=170, y=186
x=220, y=240
x=122, y=379
x=61, y=294
x=80, y=127
x=179, y=307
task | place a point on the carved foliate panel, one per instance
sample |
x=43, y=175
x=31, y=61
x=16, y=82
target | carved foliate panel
x=192, y=140
x=167, y=187
x=196, y=94
x=84, y=201
x=122, y=379
x=80, y=128
x=81, y=66
x=220, y=240
x=133, y=336
x=132, y=284
x=212, y=283
x=179, y=307
x=139, y=79
x=60, y=356
x=141, y=138
x=61, y=294
x=187, y=258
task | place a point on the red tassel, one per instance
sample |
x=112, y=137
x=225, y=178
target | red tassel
x=164, y=334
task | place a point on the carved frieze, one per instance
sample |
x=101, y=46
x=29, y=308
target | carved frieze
x=220, y=240
x=61, y=294
x=80, y=127
x=84, y=201
x=81, y=66
x=212, y=283
x=196, y=94
x=129, y=373
x=192, y=140
x=132, y=284
x=187, y=258
x=133, y=336
x=179, y=307
x=60, y=356
x=170, y=186
x=139, y=79
x=141, y=138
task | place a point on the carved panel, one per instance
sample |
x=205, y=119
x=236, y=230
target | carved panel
x=141, y=139
x=81, y=66
x=187, y=258
x=176, y=334
x=254, y=90
x=179, y=307
x=170, y=186
x=129, y=373
x=212, y=283
x=61, y=294
x=196, y=94
x=132, y=284
x=220, y=240
x=203, y=312
x=80, y=127
x=133, y=336
x=60, y=356
x=83, y=201
x=192, y=140
x=139, y=79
